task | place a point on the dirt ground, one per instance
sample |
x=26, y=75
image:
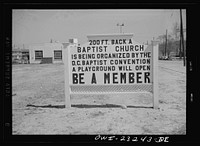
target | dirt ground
x=38, y=105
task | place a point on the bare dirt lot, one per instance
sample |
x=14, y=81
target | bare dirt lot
x=38, y=104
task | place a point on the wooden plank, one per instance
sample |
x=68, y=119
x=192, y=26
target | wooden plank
x=66, y=67
x=155, y=74
x=112, y=88
x=108, y=92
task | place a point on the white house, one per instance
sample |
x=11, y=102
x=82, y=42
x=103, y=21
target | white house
x=49, y=51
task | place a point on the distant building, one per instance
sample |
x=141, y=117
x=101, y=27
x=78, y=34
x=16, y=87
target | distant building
x=47, y=52
x=20, y=56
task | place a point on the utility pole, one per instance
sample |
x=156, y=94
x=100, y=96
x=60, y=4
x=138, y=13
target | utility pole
x=166, y=44
x=182, y=36
x=180, y=42
x=120, y=26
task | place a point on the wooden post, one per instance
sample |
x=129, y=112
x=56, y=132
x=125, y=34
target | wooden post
x=155, y=73
x=66, y=68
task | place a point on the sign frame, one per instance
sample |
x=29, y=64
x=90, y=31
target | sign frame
x=68, y=92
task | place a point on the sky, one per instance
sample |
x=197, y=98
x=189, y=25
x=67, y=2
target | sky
x=40, y=26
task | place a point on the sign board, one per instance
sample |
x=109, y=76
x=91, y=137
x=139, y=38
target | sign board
x=109, y=64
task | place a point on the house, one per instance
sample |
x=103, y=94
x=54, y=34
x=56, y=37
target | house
x=46, y=53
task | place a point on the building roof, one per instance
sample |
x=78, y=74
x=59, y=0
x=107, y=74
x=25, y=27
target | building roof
x=20, y=50
x=45, y=44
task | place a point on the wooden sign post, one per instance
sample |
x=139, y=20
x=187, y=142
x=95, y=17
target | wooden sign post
x=110, y=64
x=66, y=70
x=155, y=73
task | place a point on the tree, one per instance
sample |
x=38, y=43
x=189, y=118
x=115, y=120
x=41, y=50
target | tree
x=175, y=29
x=161, y=39
x=171, y=45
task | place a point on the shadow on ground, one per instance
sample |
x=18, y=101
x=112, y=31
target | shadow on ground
x=85, y=106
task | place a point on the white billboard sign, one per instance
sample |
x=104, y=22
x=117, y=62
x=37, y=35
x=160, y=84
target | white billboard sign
x=110, y=62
